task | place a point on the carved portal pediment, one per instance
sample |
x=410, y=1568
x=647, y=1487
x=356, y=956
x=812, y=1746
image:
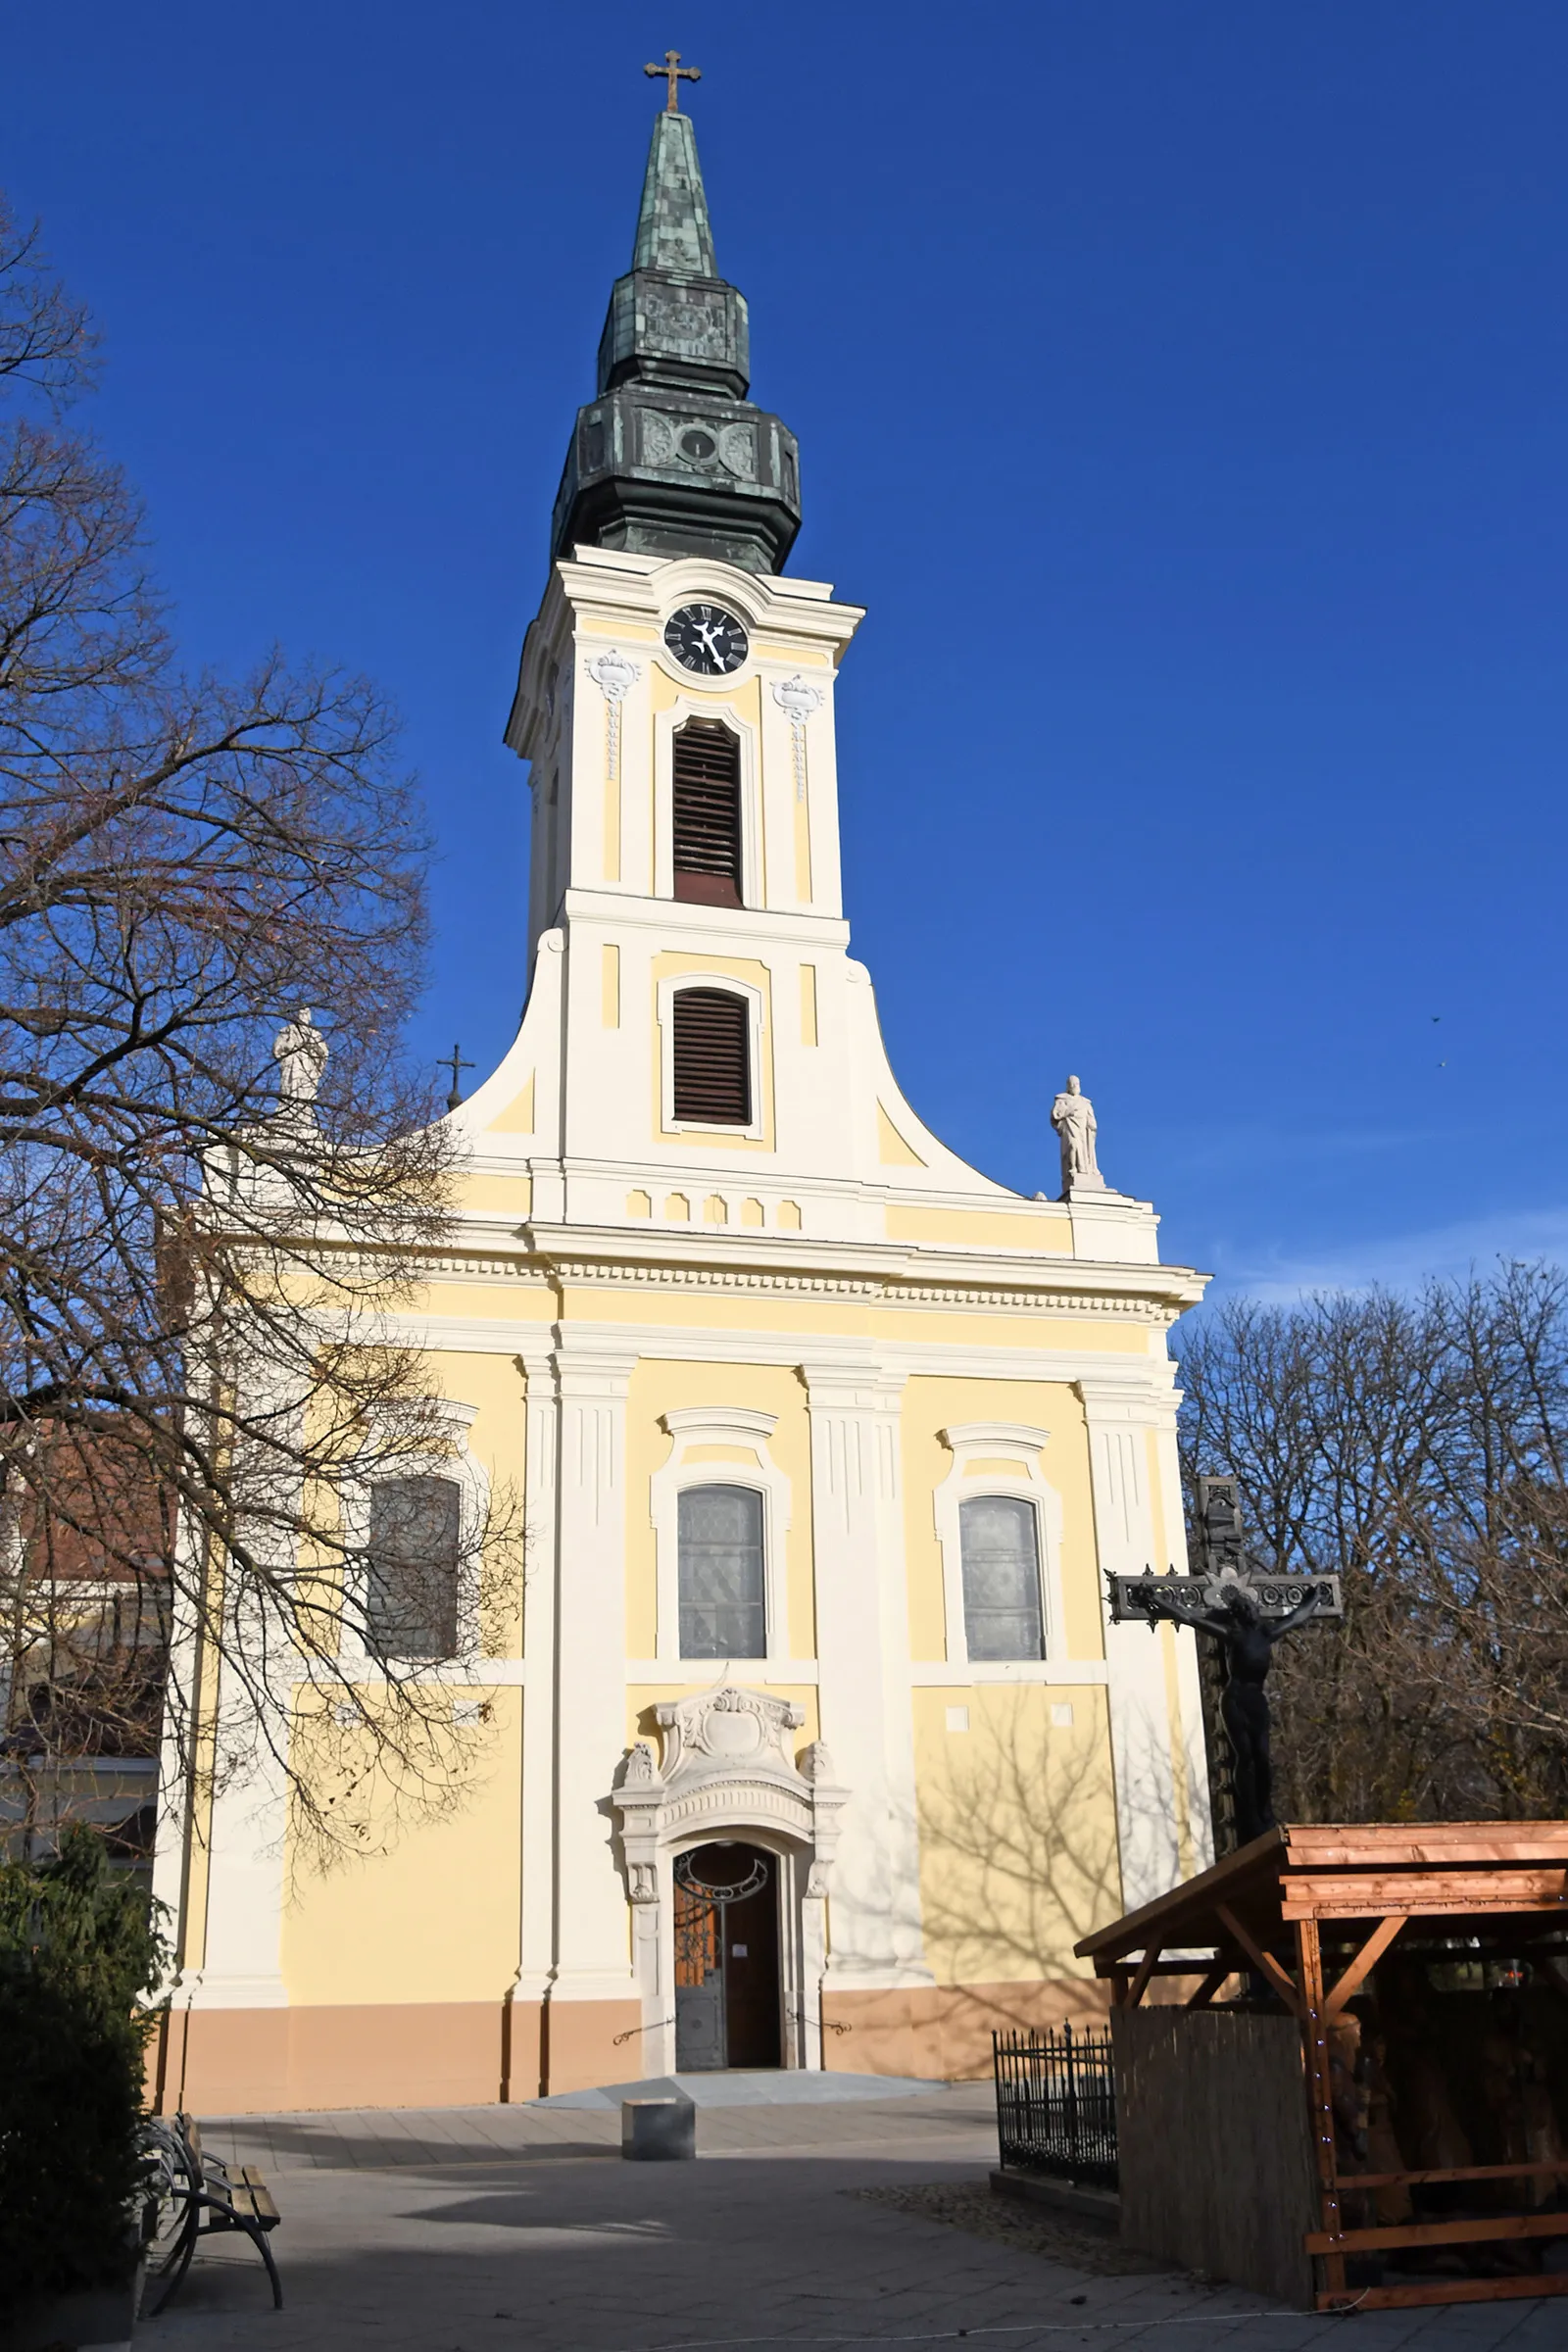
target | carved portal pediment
x=728, y=1729
x=727, y=1765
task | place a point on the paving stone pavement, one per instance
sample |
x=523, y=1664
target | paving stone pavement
x=485, y=2230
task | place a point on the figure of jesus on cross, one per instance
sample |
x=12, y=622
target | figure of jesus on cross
x=674, y=74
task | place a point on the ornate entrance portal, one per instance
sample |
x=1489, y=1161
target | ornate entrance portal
x=728, y=1993
x=727, y=1842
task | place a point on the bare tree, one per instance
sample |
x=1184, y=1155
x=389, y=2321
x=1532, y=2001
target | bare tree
x=1415, y=1446
x=199, y=1282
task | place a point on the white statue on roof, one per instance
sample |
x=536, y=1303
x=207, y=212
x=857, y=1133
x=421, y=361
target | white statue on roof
x=300, y=1052
x=1072, y=1115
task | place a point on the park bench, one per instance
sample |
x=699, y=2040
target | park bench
x=199, y=2196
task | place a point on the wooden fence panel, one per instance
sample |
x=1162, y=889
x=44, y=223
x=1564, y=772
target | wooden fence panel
x=1214, y=2146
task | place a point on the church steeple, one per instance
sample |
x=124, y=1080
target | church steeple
x=674, y=231
x=673, y=458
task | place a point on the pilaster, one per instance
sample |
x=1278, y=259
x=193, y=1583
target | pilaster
x=242, y=1951
x=536, y=1876
x=1120, y=1414
x=592, y=1960
x=1188, y=1738
x=247, y=1825
x=863, y=1668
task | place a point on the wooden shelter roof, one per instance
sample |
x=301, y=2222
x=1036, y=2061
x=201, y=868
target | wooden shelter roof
x=1312, y=1909
x=1451, y=1875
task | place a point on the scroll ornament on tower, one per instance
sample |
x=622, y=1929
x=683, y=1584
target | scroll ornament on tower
x=797, y=700
x=614, y=674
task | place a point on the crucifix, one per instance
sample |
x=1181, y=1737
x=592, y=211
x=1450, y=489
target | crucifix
x=455, y=1062
x=1246, y=1612
x=674, y=74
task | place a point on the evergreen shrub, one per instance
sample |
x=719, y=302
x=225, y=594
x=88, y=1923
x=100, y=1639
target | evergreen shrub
x=78, y=1944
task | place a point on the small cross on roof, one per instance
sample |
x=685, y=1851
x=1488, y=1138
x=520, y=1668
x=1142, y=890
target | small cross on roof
x=674, y=74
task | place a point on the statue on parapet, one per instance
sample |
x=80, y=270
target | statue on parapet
x=301, y=1054
x=1072, y=1115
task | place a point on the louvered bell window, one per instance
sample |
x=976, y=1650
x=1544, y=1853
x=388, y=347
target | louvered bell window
x=1000, y=1545
x=706, y=808
x=713, y=1057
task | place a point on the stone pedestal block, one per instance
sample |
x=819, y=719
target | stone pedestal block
x=658, y=2131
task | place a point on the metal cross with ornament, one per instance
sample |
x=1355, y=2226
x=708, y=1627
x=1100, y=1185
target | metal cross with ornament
x=1247, y=1611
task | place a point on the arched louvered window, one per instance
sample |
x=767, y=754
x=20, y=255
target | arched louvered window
x=723, y=1611
x=706, y=815
x=411, y=1587
x=713, y=1053
x=999, y=1543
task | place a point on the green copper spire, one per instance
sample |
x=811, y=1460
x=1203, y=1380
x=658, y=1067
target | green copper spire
x=673, y=227
x=672, y=318
x=671, y=459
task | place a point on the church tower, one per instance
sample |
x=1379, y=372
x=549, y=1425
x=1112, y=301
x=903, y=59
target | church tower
x=810, y=1743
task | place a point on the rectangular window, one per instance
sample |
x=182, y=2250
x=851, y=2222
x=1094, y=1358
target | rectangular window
x=411, y=1584
x=706, y=815
x=722, y=1601
x=711, y=1050
x=1001, y=1614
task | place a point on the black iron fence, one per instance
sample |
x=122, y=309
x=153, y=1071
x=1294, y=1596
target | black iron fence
x=1056, y=2104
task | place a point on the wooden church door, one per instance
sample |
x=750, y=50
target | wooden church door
x=728, y=1990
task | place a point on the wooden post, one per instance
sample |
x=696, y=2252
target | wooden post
x=1319, y=2092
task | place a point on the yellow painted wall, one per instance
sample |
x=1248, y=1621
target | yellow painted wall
x=512, y=1298
x=434, y=1917
x=502, y=1196
x=1017, y=1831
x=978, y=1229
x=893, y=1150
x=518, y=1117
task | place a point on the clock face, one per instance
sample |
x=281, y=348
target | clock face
x=707, y=639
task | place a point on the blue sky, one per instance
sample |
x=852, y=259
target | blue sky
x=1181, y=388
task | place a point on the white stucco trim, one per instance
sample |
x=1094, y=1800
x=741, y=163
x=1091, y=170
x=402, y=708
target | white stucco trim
x=719, y=1425
x=727, y=985
x=1016, y=1443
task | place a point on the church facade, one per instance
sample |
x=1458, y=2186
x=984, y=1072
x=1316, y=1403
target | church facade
x=807, y=1739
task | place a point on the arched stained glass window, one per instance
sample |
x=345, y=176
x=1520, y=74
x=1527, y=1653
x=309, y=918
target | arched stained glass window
x=724, y=1611
x=412, y=1586
x=1001, y=1548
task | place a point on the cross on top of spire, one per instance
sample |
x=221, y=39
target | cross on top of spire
x=455, y=1062
x=674, y=74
